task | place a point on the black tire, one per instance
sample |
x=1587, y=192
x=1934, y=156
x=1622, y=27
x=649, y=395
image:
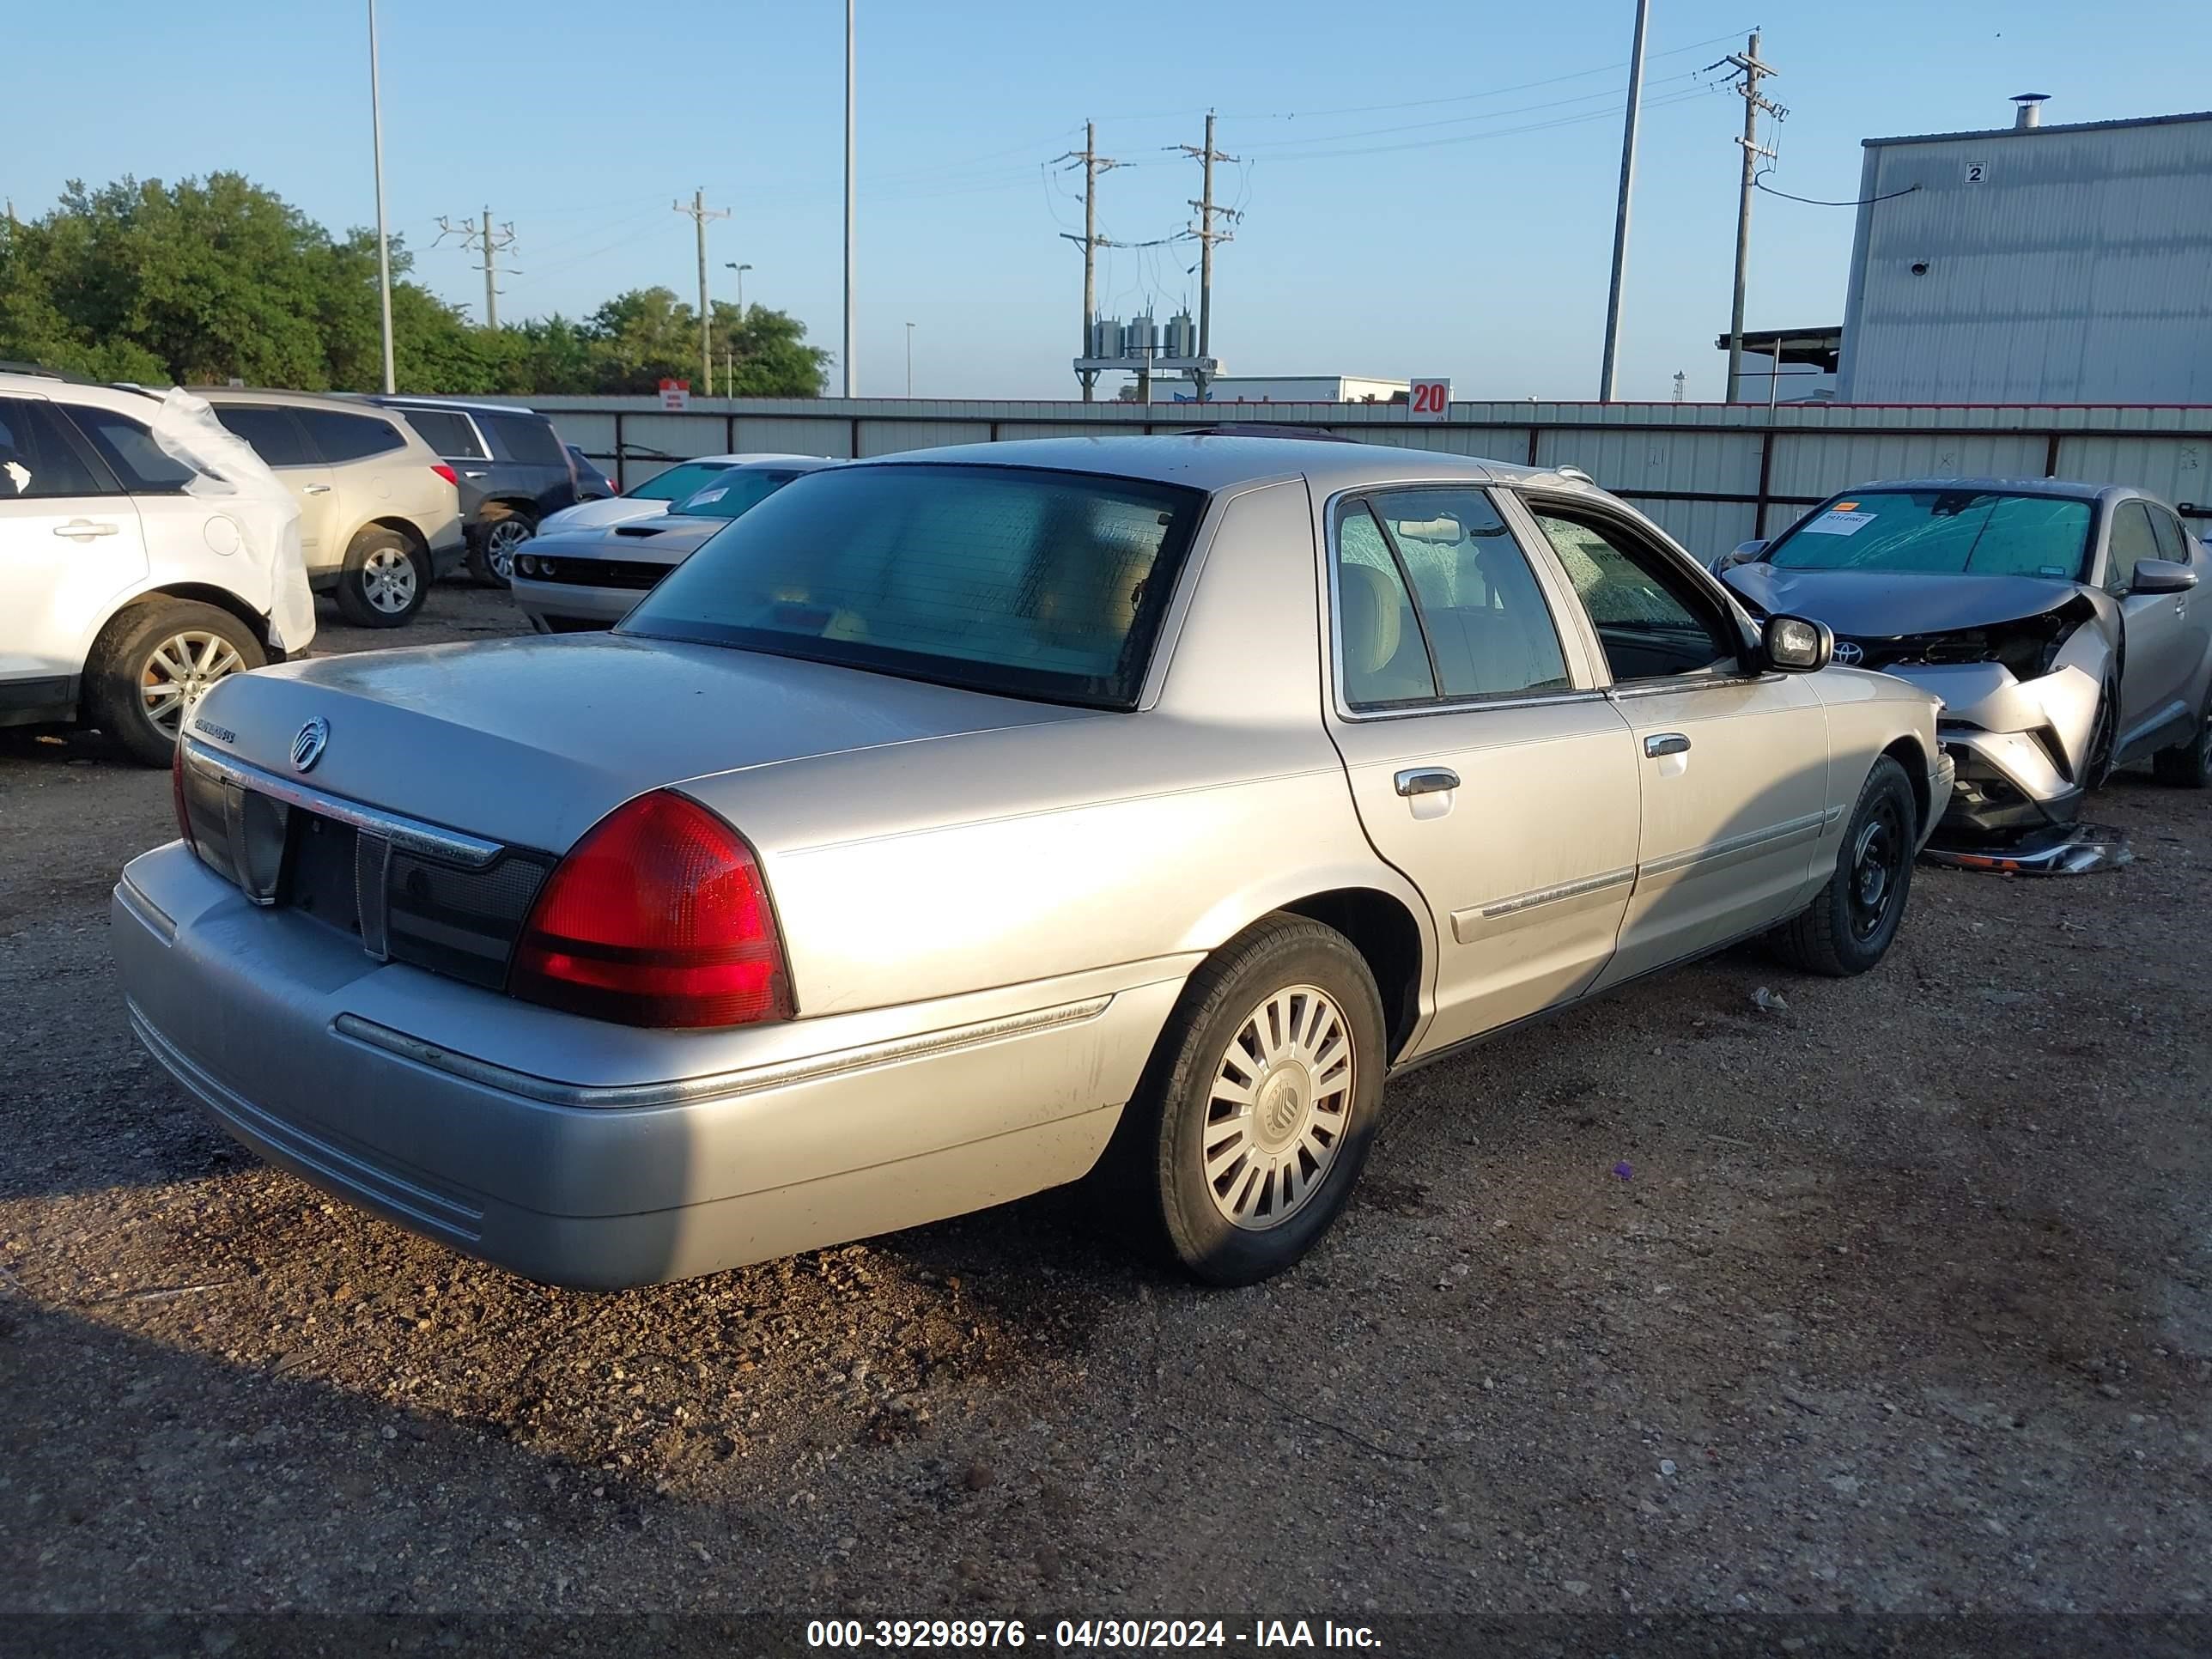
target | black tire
x=491, y=546
x=1155, y=1177
x=142, y=650
x=2188, y=765
x=2104, y=740
x=1847, y=928
x=384, y=580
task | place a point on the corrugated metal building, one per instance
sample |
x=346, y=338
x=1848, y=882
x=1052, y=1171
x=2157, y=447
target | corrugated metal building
x=2033, y=263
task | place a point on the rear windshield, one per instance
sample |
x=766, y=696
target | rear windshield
x=1950, y=532
x=676, y=482
x=1045, y=585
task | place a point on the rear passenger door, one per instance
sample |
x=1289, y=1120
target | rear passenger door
x=1732, y=763
x=363, y=454
x=274, y=433
x=1485, y=762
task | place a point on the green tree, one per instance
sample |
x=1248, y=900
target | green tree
x=211, y=279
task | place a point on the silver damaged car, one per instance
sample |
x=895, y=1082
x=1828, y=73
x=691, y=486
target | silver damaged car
x=2059, y=622
x=959, y=824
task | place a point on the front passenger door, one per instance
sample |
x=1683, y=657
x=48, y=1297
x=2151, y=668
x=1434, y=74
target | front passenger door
x=2162, y=649
x=1484, y=762
x=1732, y=763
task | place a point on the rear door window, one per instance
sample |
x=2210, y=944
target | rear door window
x=38, y=461
x=1489, y=630
x=529, y=440
x=449, y=432
x=128, y=447
x=342, y=437
x=274, y=436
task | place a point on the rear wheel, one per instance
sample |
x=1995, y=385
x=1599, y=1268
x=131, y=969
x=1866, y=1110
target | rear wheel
x=491, y=553
x=1253, y=1118
x=384, y=581
x=152, y=664
x=1848, y=927
x=2188, y=764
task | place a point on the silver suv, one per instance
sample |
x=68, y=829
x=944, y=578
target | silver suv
x=380, y=513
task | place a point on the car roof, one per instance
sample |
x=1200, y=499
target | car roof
x=408, y=400
x=341, y=401
x=1209, y=462
x=2062, y=488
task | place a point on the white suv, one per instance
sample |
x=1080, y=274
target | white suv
x=123, y=597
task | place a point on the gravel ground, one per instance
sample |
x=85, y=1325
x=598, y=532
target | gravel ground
x=1903, y=1309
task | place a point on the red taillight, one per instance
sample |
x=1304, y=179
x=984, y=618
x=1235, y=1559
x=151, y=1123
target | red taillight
x=177, y=794
x=447, y=473
x=658, y=917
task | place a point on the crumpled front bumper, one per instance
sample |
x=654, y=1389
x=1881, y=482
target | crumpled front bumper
x=2022, y=747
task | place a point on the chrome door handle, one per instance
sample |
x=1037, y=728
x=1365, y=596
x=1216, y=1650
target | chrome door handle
x=318, y=490
x=1427, y=781
x=466, y=473
x=1665, y=742
x=83, y=530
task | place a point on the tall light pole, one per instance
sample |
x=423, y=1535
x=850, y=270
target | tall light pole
x=383, y=242
x=732, y=265
x=851, y=385
x=909, y=360
x=1606, y=372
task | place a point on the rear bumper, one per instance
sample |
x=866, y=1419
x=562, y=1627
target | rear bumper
x=551, y=605
x=584, y=1154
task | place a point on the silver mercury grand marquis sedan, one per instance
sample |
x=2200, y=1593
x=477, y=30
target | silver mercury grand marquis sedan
x=960, y=824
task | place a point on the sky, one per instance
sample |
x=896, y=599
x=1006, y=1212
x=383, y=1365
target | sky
x=1427, y=187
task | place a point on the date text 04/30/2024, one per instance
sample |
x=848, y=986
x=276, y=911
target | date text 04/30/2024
x=1091, y=1635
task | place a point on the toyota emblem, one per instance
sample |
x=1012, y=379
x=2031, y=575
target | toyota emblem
x=1849, y=653
x=307, y=747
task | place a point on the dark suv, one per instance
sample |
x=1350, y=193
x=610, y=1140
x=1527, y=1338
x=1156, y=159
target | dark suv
x=514, y=470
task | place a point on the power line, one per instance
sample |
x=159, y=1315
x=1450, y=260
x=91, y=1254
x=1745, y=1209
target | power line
x=1461, y=120
x=1470, y=97
x=1759, y=183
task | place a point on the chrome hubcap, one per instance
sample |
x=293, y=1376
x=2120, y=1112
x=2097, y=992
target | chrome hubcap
x=1276, y=1116
x=499, y=543
x=178, y=672
x=387, y=581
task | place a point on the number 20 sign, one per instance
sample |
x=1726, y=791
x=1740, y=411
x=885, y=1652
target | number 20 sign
x=1428, y=400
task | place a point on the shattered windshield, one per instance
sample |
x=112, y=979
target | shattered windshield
x=1949, y=532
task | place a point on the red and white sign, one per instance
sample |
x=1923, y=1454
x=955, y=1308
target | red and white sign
x=1428, y=400
x=676, y=394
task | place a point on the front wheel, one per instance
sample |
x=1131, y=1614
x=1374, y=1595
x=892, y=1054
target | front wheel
x=1849, y=927
x=152, y=664
x=1253, y=1118
x=2188, y=764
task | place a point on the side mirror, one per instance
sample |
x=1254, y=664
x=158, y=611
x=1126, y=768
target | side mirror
x=1798, y=645
x=1741, y=553
x=2161, y=576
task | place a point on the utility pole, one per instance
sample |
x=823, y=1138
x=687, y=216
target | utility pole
x=1605, y=372
x=1093, y=165
x=851, y=384
x=480, y=235
x=383, y=241
x=1207, y=236
x=701, y=213
x=1752, y=71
